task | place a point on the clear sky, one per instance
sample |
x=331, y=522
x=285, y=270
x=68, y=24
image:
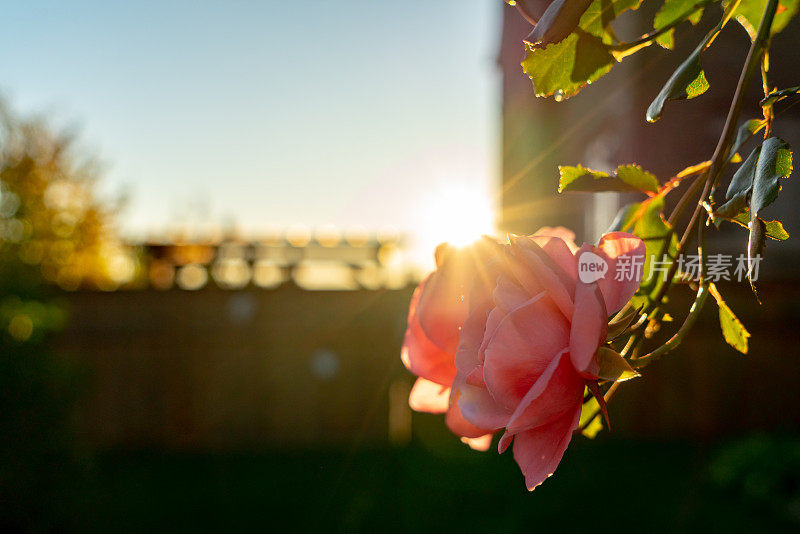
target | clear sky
x=271, y=113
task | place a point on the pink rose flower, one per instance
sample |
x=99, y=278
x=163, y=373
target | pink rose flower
x=525, y=369
x=506, y=338
x=438, y=309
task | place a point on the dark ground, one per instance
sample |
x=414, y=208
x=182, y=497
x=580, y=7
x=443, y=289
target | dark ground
x=437, y=485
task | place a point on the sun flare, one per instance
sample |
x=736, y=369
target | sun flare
x=456, y=214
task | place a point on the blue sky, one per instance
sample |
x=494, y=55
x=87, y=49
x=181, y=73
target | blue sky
x=266, y=113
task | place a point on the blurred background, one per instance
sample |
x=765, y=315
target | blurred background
x=212, y=217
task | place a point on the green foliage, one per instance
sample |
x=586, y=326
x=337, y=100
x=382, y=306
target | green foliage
x=746, y=131
x=748, y=14
x=645, y=220
x=613, y=366
x=619, y=324
x=51, y=220
x=754, y=186
x=672, y=11
x=563, y=68
x=688, y=81
x=776, y=96
x=774, y=229
x=558, y=21
x=626, y=178
x=590, y=410
x=756, y=183
x=733, y=330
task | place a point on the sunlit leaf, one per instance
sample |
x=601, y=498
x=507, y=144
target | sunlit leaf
x=613, y=366
x=626, y=178
x=774, y=229
x=776, y=96
x=754, y=186
x=733, y=330
x=741, y=186
x=646, y=221
x=559, y=20
x=590, y=409
x=775, y=163
x=748, y=13
x=622, y=321
x=671, y=11
x=756, y=183
x=687, y=82
x=746, y=131
x=563, y=68
x=602, y=13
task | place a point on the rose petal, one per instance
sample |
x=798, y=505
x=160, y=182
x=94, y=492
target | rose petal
x=479, y=444
x=555, y=393
x=565, y=234
x=423, y=358
x=535, y=269
x=508, y=296
x=443, y=305
x=589, y=327
x=430, y=397
x=479, y=407
x=617, y=247
x=444, y=302
x=475, y=377
x=457, y=423
x=561, y=253
x=524, y=343
x=539, y=451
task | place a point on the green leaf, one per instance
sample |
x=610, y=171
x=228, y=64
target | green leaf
x=626, y=178
x=757, y=181
x=746, y=131
x=748, y=14
x=774, y=229
x=620, y=323
x=646, y=221
x=740, y=187
x=602, y=13
x=559, y=20
x=754, y=186
x=638, y=178
x=776, y=96
x=564, y=68
x=688, y=81
x=613, y=366
x=775, y=163
x=590, y=408
x=671, y=11
x=733, y=330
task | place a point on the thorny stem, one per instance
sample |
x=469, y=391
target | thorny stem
x=520, y=5
x=718, y=160
x=708, y=179
x=694, y=311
